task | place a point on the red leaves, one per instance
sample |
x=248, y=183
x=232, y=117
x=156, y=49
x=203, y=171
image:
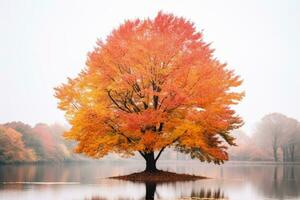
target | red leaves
x=157, y=83
x=141, y=121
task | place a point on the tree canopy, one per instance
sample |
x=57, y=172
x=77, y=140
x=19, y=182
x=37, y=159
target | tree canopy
x=152, y=84
x=12, y=148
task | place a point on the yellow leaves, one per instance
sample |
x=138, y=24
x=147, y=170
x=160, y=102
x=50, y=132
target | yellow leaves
x=189, y=133
x=141, y=88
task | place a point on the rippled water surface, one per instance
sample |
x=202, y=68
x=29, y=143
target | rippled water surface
x=76, y=181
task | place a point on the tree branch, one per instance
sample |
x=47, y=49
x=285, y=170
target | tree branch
x=135, y=107
x=161, y=126
x=158, y=155
x=120, y=133
x=162, y=101
x=114, y=101
x=142, y=154
x=74, y=105
x=162, y=149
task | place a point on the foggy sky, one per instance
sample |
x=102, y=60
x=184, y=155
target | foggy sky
x=44, y=42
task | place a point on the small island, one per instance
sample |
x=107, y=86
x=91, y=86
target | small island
x=158, y=177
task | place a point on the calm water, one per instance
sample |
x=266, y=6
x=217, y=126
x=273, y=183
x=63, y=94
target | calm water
x=87, y=181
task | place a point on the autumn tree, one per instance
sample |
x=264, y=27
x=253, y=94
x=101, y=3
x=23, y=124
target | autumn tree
x=269, y=132
x=54, y=148
x=63, y=147
x=29, y=137
x=12, y=148
x=152, y=84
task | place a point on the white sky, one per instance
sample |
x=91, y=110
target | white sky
x=43, y=42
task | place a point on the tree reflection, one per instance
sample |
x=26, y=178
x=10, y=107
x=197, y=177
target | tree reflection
x=208, y=193
x=202, y=192
x=284, y=182
x=150, y=190
x=151, y=193
x=266, y=181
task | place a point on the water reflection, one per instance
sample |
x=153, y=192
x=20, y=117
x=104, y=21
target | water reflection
x=209, y=194
x=150, y=190
x=151, y=193
x=284, y=183
x=87, y=181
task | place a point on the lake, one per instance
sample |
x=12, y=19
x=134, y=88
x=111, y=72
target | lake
x=87, y=181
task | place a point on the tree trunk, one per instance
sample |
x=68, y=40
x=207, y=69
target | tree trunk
x=292, y=152
x=284, y=154
x=150, y=191
x=275, y=154
x=150, y=162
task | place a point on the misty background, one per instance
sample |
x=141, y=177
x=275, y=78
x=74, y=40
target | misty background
x=44, y=42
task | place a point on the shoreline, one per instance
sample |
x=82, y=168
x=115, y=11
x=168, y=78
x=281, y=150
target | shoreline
x=158, y=176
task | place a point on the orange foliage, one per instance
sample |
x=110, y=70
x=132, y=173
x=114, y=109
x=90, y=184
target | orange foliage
x=152, y=84
x=12, y=148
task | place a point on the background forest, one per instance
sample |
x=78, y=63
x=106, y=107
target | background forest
x=275, y=138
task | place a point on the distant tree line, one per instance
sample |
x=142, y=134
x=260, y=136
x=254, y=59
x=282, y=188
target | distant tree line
x=20, y=142
x=276, y=138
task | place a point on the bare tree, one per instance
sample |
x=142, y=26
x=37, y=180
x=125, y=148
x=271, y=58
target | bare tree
x=291, y=140
x=278, y=132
